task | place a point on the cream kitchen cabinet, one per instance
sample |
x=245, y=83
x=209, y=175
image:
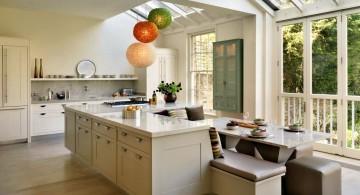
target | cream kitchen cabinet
x=163, y=69
x=83, y=142
x=133, y=170
x=14, y=78
x=47, y=119
x=70, y=131
x=104, y=150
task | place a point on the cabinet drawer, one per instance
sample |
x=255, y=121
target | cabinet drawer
x=135, y=140
x=47, y=107
x=83, y=120
x=47, y=122
x=106, y=129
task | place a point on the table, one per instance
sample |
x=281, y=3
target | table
x=276, y=148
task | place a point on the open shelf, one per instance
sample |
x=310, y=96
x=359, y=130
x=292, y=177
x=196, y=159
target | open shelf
x=84, y=79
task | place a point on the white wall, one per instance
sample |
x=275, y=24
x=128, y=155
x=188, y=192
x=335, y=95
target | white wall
x=63, y=40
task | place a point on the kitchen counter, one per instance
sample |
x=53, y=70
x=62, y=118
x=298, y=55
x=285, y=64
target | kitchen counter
x=149, y=124
x=84, y=99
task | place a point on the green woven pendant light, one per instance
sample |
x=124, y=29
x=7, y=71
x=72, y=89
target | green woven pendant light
x=161, y=17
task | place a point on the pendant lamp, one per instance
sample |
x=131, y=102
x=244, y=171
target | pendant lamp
x=145, y=31
x=140, y=55
x=161, y=17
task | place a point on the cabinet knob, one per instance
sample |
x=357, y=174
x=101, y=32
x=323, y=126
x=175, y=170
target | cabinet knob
x=43, y=106
x=138, y=139
x=79, y=128
x=107, y=128
x=138, y=156
x=42, y=114
x=124, y=149
x=107, y=141
x=86, y=131
x=97, y=137
x=85, y=119
x=78, y=117
x=124, y=133
x=97, y=124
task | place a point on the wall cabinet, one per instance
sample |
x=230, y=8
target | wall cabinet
x=228, y=75
x=163, y=69
x=104, y=155
x=70, y=132
x=14, y=78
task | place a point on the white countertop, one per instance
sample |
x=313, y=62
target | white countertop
x=149, y=124
x=84, y=99
x=278, y=136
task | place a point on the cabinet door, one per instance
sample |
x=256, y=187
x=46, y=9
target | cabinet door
x=153, y=75
x=70, y=131
x=47, y=122
x=15, y=76
x=133, y=170
x=230, y=84
x=13, y=124
x=169, y=67
x=83, y=142
x=104, y=155
x=219, y=76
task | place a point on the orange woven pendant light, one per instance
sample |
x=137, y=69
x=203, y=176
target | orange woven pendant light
x=145, y=31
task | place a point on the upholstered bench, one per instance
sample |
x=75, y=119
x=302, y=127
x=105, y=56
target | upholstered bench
x=302, y=150
x=312, y=176
x=238, y=173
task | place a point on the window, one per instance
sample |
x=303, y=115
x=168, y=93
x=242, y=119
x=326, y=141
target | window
x=201, y=69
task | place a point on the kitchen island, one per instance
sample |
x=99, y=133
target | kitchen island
x=152, y=154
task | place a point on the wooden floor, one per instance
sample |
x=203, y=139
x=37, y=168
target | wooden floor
x=47, y=167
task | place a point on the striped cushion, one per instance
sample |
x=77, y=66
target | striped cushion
x=178, y=113
x=215, y=143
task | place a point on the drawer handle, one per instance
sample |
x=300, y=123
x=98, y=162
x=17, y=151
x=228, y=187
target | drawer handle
x=138, y=156
x=97, y=124
x=43, y=106
x=107, y=128
x=97, y=137
x=124, y=149
x=107, y=141
x=62, y=112
x=85, y=119
x=138, y=139
x=86, y=131
x=43, y=114
x=124, y=133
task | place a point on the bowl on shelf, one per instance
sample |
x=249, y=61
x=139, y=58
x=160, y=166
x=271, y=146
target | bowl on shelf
x=106, y=76
x=112, y=76
x=260, y=121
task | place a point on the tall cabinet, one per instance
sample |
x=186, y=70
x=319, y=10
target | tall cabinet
x=163, y=69
x=228, y=75
x=13, y=88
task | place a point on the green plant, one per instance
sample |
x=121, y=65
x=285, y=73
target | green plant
x=169, y=88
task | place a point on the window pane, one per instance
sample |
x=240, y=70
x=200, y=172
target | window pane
x=324, y=56
x=293, y=68
x=353, y=127
x=353, y=53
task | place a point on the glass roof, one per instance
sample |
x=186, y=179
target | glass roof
x=284, y=4
x=142, y=11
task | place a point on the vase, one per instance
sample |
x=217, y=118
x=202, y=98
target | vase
x=41, y=74
x=170, y=98
x=36, y=71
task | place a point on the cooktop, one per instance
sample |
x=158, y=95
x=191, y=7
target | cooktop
x=125, y=103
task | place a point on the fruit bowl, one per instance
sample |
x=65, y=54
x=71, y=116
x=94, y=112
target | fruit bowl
x=232, y=126
x=260, y=121
x=258, y=132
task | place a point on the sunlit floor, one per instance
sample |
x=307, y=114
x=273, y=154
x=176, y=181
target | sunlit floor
x=47, y=167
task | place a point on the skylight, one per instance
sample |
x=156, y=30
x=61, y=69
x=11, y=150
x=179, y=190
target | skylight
x=141, y=12
x=284, y=4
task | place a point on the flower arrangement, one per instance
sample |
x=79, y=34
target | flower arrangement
x=169, y=88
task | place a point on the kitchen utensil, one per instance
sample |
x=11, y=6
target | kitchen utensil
x=60, y=96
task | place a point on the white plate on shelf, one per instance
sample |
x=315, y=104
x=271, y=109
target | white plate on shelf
x=86, y=68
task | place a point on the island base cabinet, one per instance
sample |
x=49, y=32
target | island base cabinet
x=104, y=155
x=133, y=170
x=70, y=131
x=83, y=143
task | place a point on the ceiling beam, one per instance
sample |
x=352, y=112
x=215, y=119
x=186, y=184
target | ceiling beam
x=179, y=11
x=203, y=14
x=298, y=4
x=263, y=5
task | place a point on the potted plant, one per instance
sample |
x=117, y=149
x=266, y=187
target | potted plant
x=169, y=90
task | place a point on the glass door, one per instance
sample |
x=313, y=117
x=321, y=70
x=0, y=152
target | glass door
x=325, y=92
x=351, y=117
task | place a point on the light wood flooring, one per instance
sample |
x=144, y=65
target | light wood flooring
x=47, y=167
